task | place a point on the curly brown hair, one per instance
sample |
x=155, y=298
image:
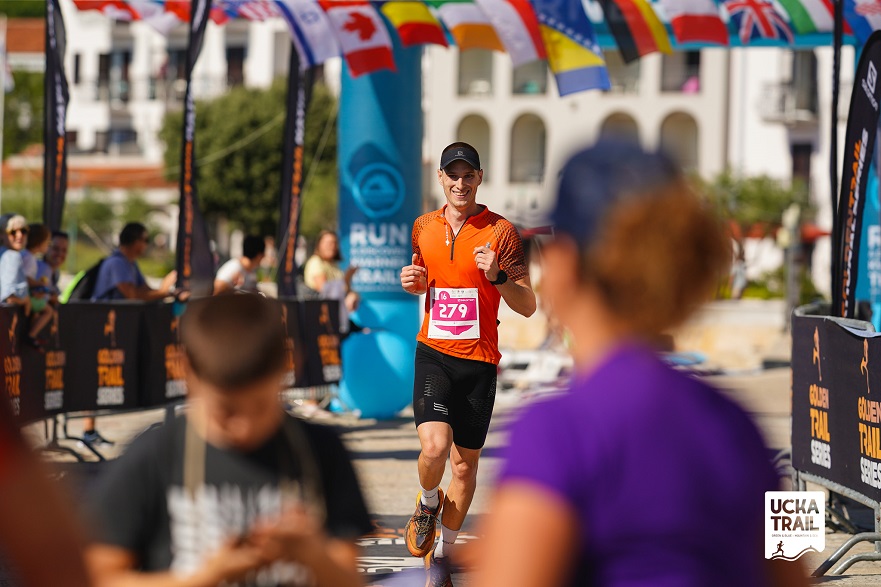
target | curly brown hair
x=658, y=258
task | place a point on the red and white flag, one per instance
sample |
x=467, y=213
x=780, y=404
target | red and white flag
x=517, y=27
x=362, y=34
x=695, y=21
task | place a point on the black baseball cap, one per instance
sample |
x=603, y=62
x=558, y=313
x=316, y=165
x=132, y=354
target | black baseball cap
x=460, y=152
x=605, y=174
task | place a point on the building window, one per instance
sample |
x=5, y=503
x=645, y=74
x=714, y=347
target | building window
x=474, y=130
x=623, y=77
x=621, y=127
x=679, y=137
x=476, y=72
x=804, y=81
x=235, y=66
x=530, y=78
x=76, y=68
x=681, y=72
x=801, y=166
x=528, y=140
x=113, y=75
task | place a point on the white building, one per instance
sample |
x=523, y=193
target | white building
x=754, y=110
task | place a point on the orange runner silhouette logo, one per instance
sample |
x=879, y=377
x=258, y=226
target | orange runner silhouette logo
x=12, y=328
x=817, y=353
x=110, y=327
x=864, y=364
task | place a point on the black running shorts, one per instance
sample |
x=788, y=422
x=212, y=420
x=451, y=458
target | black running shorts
x=460, y=392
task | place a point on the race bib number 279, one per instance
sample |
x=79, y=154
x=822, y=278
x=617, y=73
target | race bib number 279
x=454, y=314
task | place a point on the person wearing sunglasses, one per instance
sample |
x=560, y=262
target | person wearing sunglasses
x=13, y=282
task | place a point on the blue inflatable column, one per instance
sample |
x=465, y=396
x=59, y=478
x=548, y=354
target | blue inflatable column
x=380, y=164
x=869, y=275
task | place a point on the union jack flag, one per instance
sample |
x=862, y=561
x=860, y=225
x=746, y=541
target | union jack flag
x=758, y=19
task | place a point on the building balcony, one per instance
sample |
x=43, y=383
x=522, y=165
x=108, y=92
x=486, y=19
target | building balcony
x=789, y=104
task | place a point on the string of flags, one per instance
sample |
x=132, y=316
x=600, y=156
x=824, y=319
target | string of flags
x=563, y=32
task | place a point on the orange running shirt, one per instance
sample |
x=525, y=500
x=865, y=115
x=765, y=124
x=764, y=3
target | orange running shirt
x=448, y=325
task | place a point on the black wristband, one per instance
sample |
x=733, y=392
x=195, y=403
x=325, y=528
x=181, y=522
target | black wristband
x=501, y=278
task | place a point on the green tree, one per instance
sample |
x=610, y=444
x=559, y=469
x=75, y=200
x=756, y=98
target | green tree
x=755, y=204
x=23, y=8
x=239, y=143
x=23, y=113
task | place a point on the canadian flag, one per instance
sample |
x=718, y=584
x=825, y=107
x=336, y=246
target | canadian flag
x=362, y=34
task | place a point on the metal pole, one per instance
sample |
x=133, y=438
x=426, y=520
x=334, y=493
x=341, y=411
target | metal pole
x=837, y=39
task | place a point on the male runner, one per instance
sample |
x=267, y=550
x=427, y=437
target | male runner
x=466, y=259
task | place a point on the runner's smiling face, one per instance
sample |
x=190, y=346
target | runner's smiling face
x=460, y=182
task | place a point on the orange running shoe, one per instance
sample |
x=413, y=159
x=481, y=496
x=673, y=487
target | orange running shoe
x=420, y=530
x=437, y=571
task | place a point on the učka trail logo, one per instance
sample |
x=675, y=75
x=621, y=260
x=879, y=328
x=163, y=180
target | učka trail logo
x=794, y=524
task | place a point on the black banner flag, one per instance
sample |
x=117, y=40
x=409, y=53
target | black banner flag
x=299, y=91
x=859, y=143
x=195, y=262
x=56, y=96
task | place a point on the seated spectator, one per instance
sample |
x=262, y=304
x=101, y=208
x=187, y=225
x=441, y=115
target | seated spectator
x=585, y=473
x=120, y=278
x=241, y=274
x=236, y=491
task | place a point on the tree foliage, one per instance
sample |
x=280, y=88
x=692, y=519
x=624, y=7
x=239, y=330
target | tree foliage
x=23, y=8
x=239, y=147
x=755, y=203
x=23, y=113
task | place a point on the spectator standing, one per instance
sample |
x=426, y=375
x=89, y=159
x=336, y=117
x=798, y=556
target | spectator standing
x=633, y=461
x=237, y=492
x=53, y=260
x=323, y=274
x=38, y=288
x=120, y=278
x=241, y=274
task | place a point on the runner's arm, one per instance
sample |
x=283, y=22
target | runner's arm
x=525, y=546
x=519, y=296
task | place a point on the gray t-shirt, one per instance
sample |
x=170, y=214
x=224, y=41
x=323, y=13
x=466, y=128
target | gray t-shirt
x=140, y=503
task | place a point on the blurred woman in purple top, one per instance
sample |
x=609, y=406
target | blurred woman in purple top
x=639, y=475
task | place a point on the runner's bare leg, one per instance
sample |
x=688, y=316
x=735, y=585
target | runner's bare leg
x=463, y=464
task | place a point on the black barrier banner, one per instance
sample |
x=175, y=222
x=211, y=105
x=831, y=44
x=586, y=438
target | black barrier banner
x=320, y=327
x=195, y=262
x=299, y=92
x=162, y=378
x=56, y=97
x=859, y=142
x=102, y=343
x=12, y=331
x=836, y=404
x=296, y=370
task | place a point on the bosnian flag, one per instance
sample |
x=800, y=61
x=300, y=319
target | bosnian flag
x=359, y=28
x=864, y=17
x=695, y=21
x=517, y=26
x=310, y=30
